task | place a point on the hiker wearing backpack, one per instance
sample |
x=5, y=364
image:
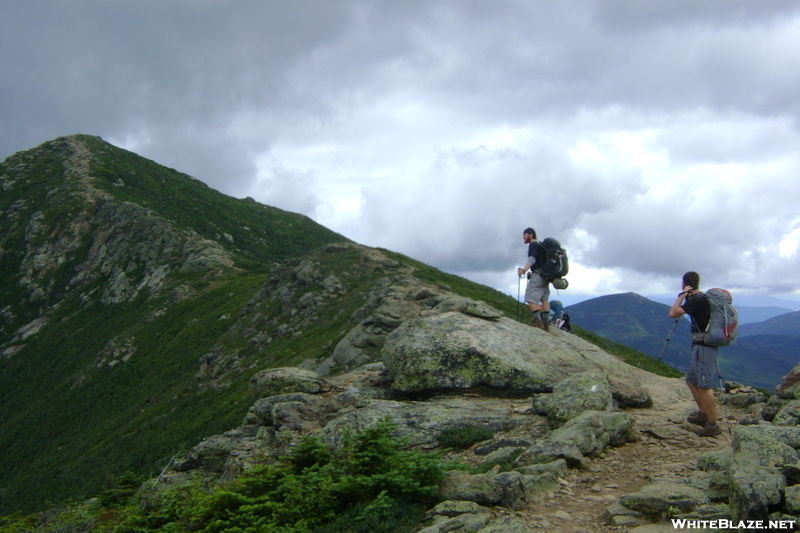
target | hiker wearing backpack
x=704, y=356
x=537, y=293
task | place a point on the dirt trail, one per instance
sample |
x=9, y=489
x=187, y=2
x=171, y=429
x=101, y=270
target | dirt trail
x=667, y=449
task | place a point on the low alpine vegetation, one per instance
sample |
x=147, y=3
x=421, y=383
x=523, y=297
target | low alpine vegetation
x=463, y=436
x=371, y=484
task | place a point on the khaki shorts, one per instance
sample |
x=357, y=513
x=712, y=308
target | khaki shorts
x=538, y=289
x=701, y=369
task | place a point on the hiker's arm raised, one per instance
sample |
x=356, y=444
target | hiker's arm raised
x=677, y=311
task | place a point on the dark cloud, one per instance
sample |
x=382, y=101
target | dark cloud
x=647, y=136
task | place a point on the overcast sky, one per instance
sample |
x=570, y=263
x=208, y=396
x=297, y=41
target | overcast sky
x=650, y=137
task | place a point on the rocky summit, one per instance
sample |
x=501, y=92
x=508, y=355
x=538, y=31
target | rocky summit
x=152, y=325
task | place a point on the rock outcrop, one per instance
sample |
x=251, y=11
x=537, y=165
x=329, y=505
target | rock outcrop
x=455, y=351
x=438, y=362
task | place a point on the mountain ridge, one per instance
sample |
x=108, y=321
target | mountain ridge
x=107, y=307
x=137, y=303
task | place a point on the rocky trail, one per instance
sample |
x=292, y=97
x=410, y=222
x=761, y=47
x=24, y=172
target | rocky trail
x=667, y=449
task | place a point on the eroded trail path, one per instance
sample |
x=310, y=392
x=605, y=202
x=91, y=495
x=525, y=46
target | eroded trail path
x=666, y=449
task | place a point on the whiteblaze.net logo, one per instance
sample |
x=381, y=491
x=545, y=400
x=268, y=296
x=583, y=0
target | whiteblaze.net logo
x=722, y=523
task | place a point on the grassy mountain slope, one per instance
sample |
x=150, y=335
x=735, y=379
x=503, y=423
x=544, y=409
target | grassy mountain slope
x=136, y=303
x=630, y=319
x=635, y=321
x=108, y=383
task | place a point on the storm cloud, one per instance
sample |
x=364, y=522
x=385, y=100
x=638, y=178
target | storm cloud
x=650, y=138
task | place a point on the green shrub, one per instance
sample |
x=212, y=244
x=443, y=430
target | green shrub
x=371, y=484
x=463, y=436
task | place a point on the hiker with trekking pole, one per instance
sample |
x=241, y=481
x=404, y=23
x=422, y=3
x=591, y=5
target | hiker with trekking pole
x=537, y=293
x=714, y=323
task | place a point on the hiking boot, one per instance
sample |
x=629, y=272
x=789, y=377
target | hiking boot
x=537, y=323
x=697, y=418
x=545, y=318
x=710, y=430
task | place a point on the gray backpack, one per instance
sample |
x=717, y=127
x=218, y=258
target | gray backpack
x=723, y=324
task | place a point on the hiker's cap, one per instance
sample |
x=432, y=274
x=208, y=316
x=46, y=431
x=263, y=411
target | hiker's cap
x=529, y=230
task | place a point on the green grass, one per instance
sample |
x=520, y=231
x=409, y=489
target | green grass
x=463, y=436
x=372, y=484
x=629, y=355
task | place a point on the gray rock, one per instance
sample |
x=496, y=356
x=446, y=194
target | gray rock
x=557, y=469
x=765, y=445
x=287, y=380
x=468, y=523
x=712, y=511
x=546, y=451
x=790, y=384
x=454, y=351
x=481, y=310
x=261, y=412
x=213, y=453
x=719, y=486
x=660, y=495
x=743, y=400
x=521, y=490
x=774, y=405
x=792, y=496
x=495, y=445
x=788, y=415
x=718, y=460
x=451, y=508
x=754, y=489
x=507, y=524
x=512, y=490
x=421, y=423
x=593, y=431
x=480, y=488
x=580, y=392
x=619, y=515
x=757, y=482
x=502, y=455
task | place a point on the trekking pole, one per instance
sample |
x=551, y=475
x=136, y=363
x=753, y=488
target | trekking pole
x=668, y=338
x=722, y=390
x=519, y=284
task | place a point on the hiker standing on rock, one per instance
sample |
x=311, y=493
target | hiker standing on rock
x=538, y=290
x=704, y=357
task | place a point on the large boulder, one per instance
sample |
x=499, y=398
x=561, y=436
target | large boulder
x=454, y=351
x=761, y=455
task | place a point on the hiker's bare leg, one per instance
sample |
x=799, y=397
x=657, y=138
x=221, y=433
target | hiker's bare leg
x=535, y=310
x=705, y=401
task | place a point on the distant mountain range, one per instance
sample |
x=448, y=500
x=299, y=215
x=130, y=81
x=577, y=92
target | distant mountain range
x=750, y=307
x=764, y=353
